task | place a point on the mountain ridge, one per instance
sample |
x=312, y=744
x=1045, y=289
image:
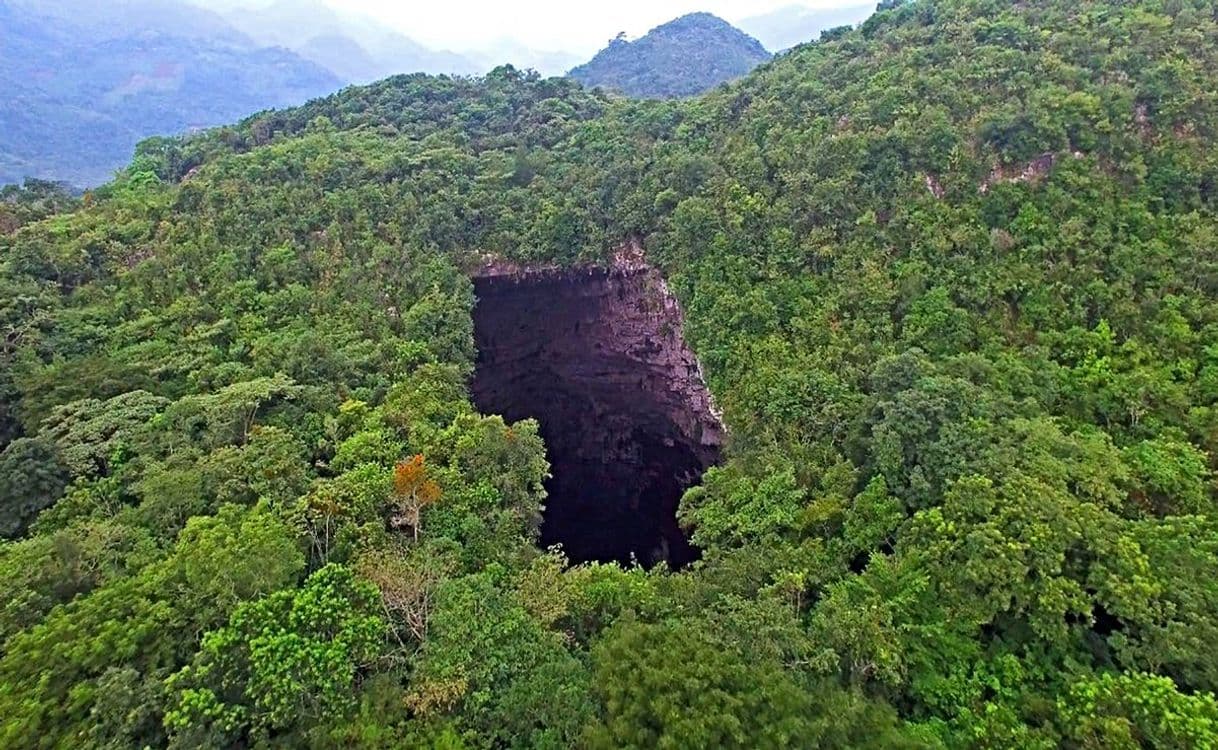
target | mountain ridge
x=790, y=26
x=78, y=102
x=683, y=57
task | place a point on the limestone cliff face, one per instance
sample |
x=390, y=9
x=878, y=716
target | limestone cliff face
x=597, y=356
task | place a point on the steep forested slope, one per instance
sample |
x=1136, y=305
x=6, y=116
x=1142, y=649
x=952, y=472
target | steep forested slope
x=684, y=57
x=953, y=278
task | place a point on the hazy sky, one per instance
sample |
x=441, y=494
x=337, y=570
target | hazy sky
x=569, y=25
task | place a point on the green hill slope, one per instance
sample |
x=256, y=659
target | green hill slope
x=952, y=278
x=684, y=57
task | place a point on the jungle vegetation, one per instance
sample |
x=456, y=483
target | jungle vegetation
x=952, y=275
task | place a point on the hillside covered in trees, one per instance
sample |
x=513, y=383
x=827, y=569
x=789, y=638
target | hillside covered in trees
x=952, y=278
x=684, y=57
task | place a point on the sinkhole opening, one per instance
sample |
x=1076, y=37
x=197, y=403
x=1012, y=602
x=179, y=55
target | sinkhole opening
x=596, y=356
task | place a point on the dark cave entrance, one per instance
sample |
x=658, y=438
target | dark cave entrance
x=597, y=357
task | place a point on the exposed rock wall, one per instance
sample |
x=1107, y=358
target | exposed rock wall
x=597, y=356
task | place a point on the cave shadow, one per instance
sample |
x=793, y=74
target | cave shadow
x=596, y=357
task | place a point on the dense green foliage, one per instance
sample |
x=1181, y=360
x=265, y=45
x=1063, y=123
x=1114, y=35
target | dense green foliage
x=684, y=57
x=953, y=277
x=32, y=201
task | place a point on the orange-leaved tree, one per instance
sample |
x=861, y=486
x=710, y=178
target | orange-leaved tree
x=413, y=491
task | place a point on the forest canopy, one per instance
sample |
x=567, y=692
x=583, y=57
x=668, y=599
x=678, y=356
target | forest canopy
x=952, y=277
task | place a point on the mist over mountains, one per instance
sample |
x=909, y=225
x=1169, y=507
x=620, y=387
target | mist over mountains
x=86, y=81
x=83, y=85
x=361, y=49
x=796, y=24
x=356, y=48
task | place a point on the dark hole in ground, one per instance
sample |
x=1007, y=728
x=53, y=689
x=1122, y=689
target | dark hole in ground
x=598, y=359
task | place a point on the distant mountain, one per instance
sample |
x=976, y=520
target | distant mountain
x=80, y=91
x=356, y=48
x=342, y=56
x=120, y=18
x=684, y=57
x=283, y=23
x=796, y=24
x=84, y=81
x=546, y=62
x=360, y=49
